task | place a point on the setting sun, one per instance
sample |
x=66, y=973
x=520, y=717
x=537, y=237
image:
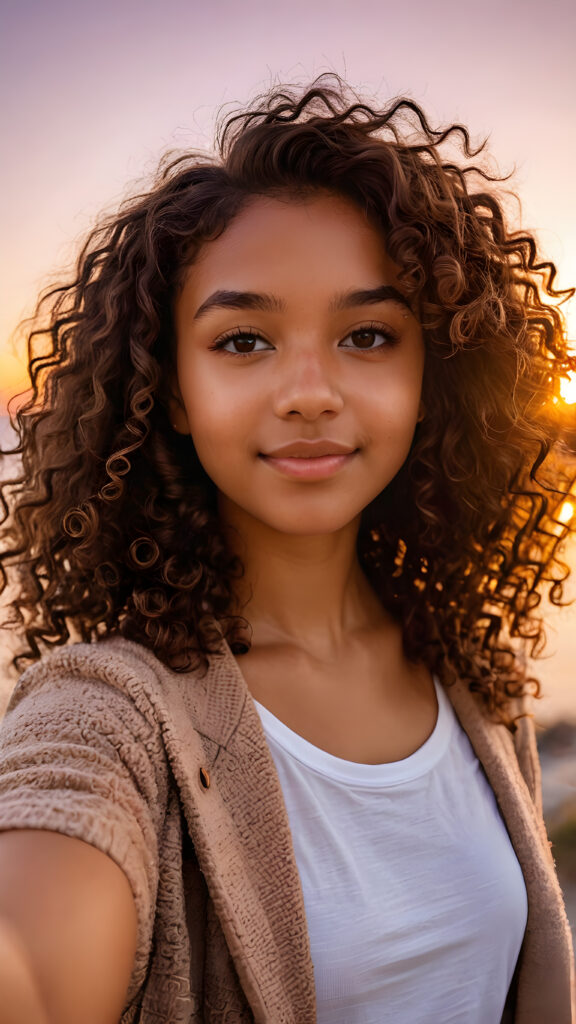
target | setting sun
x=568, y=388
x=566, y=512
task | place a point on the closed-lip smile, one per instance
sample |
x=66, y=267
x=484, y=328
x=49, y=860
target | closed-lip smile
x=309, y=460
x=304, y=449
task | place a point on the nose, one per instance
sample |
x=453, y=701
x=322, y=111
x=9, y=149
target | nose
x=307, y=387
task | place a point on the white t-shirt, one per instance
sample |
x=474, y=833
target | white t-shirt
x=415, y=901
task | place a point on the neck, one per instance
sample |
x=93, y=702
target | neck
x=309, y=591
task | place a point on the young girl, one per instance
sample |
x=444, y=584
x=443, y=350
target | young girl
x=292, y=474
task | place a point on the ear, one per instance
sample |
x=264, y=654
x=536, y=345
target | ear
x=421, y=412
x=177, y=412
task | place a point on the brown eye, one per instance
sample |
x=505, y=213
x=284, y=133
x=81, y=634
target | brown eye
x=242, y=343
x=368, y=338
x=364, y=339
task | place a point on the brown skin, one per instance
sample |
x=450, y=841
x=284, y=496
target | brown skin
x=68, y=930
x=20, y=996
x=308, y=373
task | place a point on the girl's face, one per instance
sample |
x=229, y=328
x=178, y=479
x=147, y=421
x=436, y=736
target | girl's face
x=299, y=365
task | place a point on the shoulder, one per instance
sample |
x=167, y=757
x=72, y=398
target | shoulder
x=111, y=670
x=121, y=665
x=85, y=704
x=112, y=687
x=89, y=707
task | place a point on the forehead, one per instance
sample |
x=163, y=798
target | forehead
x=325, y=239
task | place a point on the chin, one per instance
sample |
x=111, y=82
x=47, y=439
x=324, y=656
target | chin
x=312, y=525
x=294, y=516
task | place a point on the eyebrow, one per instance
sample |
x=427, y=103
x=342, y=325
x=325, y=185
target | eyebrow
x=271, y=304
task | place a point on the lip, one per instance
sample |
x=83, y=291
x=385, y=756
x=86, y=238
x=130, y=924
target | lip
x=304, y=449
x=310, y=460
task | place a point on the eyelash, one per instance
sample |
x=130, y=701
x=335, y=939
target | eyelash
x=392, y=338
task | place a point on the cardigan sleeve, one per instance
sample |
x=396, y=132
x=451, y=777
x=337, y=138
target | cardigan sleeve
x=79, y=757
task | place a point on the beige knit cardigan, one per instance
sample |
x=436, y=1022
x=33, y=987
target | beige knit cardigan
x=171, y=776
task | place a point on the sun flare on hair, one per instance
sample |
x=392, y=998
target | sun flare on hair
x=567, y=510
x=568, y=388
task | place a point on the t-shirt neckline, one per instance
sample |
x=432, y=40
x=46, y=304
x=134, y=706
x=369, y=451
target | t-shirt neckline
x=353, y=772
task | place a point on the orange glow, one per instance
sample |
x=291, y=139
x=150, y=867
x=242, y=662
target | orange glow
x=13, y=378
x=567, y=510
x=568, y=388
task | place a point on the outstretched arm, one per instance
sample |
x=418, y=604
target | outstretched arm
x=68, y=931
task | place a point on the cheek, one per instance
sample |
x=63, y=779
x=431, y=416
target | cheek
x=391, y=419
x=211, y=432
x=218, y=423
x=393, y=409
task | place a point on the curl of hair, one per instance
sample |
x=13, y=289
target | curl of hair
x=466, y=538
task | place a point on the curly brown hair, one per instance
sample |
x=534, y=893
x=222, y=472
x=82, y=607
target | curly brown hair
x=462, y=542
